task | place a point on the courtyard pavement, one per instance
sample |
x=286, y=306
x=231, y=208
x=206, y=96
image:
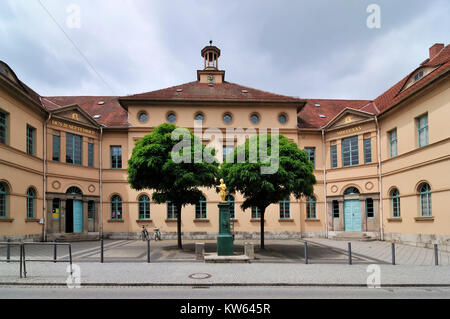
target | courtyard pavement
x=320, y=251
x=281, y=263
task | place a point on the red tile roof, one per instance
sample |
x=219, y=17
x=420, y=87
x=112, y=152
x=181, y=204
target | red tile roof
x=112, y=114
x=310, y=115
x=442, y=63
x=217, y=91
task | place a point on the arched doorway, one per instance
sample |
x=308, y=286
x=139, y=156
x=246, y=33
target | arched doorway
x=352, y=210
x=74, y=210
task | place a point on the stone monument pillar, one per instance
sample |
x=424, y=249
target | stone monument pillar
x=224, y=239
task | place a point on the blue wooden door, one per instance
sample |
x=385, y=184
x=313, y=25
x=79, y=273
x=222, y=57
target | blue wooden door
x=77, y=216
x=352, y=215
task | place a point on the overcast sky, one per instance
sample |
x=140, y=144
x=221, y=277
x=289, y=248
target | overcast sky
x=310, y=49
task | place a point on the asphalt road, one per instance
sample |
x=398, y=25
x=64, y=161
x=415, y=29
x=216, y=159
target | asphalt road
x=222, y=293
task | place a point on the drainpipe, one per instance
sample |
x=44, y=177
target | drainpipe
x=380, y=185
x=324, y=161
x=44, y=215
x=101, y=182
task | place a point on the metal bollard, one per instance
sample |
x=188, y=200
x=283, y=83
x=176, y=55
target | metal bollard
x=436, y=255
x=54, y=251
x=101, y=251
x=349, y=253
x=148, y=250
x=393, y=253
x=8, y=251
x=306, y=252
x=70, y=259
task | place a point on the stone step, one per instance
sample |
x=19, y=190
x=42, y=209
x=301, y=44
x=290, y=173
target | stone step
x=73, y=237
x=348, y=236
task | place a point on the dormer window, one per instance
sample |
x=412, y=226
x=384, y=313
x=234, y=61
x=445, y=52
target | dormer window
x=418, y=76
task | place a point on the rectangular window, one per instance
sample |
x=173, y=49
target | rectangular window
x=285, y=212
x=256, y=213
x=333, y=153
x=91, y=210
x=74, y=150
x=369, y=208
x=31, y=136
x=311, y=155
x=171, y=211
x=393, y=143
x=226, y=151
x=335, y=206
x=116, y=157
x=350, y=151
x=311, y=208
x=200, y=210
x=56, y=208
x=56, y=148
x=90, y=154
x=3, y=128
x=422, y=130
x=367, y=151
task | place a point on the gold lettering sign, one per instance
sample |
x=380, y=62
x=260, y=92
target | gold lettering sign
x=73, y=127
x=350, y=130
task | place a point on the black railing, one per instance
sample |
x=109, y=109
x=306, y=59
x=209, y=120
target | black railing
x=11, y=252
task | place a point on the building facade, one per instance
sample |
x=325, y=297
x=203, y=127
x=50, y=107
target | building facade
x=382, y=166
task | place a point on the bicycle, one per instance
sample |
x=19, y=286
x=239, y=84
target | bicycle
x=156, y=234
x=144, y=234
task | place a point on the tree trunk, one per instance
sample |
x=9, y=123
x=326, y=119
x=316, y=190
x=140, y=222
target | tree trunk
x=180, y=245
x=262, y=227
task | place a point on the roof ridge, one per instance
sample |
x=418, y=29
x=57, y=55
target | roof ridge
x=167, y=88
x=248, y=87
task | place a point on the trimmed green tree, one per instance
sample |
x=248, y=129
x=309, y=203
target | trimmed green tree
x=269, y=173
x=174, y=164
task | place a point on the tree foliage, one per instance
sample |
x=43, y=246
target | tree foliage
x=293, y=176
x=152, y=166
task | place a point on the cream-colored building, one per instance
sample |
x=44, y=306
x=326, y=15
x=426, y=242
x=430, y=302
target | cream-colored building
x=382, y=166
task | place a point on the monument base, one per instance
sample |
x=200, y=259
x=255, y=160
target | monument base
x=225, y=245
x=224, y=239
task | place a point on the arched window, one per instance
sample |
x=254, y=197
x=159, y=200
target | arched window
x=311, y=208
x=144, y=207
x=116, y=207
x=285, y=210
x=425, y=200
x=395, y=199
x=200, y=209
x=3, y=200
x=31, y=198
x=351, y=191
x=74, y=191
x=230, y=200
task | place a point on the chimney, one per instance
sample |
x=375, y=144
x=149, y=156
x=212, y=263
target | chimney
x=435, y=49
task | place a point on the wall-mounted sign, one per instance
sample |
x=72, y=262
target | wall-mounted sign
x=73, y=127
x=349, y=130
x=55, y=213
